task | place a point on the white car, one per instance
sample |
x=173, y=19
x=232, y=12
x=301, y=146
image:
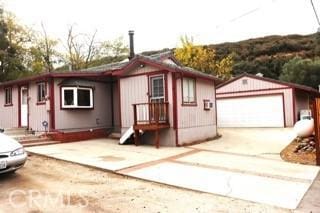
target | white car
x=12, y=154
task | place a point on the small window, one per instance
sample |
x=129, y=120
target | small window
x=8, y=96
x=84, y=98
x=245, y=81
x=74, y=97
x=189, y=91
x=42, y=92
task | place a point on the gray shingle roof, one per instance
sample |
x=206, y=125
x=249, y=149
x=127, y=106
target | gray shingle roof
x=100, y=70
x=120, y=65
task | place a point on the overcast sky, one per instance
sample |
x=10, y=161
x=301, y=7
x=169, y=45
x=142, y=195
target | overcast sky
x=159, y=24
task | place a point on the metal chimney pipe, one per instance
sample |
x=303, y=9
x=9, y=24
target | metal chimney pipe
x=131, y=40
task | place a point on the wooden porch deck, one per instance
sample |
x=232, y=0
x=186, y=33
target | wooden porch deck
x=150, y=117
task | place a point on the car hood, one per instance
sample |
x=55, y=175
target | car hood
x=8, y=144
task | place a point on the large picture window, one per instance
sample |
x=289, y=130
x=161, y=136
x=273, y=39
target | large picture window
x=77, y=97
x=8, y=96
x=42, y=92
x=189, y=91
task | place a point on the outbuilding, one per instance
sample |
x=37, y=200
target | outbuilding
x=255, y=101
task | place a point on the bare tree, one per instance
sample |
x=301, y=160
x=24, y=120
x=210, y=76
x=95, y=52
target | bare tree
x=82, y=49
x=48, y=50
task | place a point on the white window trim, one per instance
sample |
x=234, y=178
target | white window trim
x=188, y=102
x=75, y=96
x=153, y=77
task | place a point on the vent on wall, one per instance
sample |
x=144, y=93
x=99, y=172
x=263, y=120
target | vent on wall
x=245, y=81
x=207, y=105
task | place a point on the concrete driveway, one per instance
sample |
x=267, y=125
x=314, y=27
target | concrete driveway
x=243, y=163
x=263, y=142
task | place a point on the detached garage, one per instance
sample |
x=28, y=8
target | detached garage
x=255, y=101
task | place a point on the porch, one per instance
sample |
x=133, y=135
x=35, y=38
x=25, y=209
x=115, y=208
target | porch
x=150, y=117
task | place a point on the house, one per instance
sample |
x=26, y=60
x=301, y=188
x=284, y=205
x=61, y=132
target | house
x=255, y=101
x=168, y=102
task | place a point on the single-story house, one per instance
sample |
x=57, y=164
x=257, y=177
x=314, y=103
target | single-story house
x=150, y=93
x=255, y=101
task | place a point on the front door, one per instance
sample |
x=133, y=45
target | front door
x=24, y=106
x=157, y=98
x=157, y=89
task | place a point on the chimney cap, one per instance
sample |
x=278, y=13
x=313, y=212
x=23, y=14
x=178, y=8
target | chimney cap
x=131, y=32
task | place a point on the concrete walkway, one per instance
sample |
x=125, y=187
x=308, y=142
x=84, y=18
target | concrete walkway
x=106, y=153
x=244, y=164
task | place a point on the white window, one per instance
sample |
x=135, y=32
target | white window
x=77, y=97
x=8, y=96
x=189, y=91
x=42, y=92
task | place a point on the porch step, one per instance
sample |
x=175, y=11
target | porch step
x=36, y=141
x=15, y=131
x=25, y=137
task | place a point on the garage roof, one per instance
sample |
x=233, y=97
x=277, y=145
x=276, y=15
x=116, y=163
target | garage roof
x=292, y=85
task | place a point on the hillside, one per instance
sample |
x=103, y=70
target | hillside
x=268, y=54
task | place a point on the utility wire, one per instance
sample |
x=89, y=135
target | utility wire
x=315, y=12
x=242, y=15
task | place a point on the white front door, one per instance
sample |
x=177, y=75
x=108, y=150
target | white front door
x=259, y=111
x=157, y=85
x=157, y=89
x=24, y=106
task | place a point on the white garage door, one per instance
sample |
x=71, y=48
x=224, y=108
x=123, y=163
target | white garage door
x=261, y=111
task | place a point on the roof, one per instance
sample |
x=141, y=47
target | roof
x=292, y=85
x=178, y=68
x=102, y=70
x=122, y=64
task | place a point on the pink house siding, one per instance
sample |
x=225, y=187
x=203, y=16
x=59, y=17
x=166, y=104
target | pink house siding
x=132, y=90
x=195, y=123
x=252, y=84
x=170, y=98
x=167, y=135
x=135, y=89
x=83, y=119
x=9, y=114
x=37, y=113
x=116, y=107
